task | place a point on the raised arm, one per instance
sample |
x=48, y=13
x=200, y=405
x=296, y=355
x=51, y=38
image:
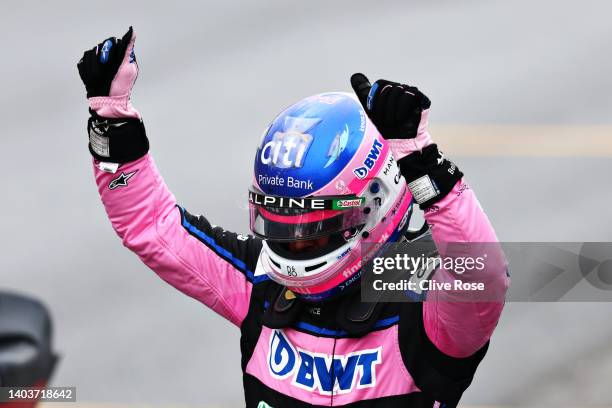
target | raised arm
x=454, y=323
x=205, y=262
x=458, y=322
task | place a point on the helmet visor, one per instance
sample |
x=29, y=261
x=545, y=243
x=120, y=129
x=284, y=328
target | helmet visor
x=289, y=219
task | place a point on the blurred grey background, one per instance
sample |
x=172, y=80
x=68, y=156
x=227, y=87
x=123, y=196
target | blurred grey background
x=212, y=75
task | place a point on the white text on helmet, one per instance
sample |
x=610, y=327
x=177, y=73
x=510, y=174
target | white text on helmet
x=285, y=150
x=362, y=171
x=286, y=202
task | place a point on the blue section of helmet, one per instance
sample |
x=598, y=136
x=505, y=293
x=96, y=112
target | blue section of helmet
x=105, y=51
x=309, y=144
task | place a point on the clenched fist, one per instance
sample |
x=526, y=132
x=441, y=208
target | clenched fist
x=110, y=68
x=395, y=109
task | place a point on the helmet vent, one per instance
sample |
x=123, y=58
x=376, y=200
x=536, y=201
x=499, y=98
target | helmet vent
x=313, y=267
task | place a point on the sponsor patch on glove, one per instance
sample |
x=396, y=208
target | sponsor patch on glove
x=99, y=143
x=423, y=189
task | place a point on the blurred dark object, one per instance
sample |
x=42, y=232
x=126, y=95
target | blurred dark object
x=26, y=355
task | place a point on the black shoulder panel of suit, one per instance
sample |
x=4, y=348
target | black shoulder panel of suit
x=253, y=322
x=116, y=140
x=443, y=377
x=343, y=317
x=239, y=250
x=443, y=173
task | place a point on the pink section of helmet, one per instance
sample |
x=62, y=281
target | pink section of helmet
x=353, y=263
x=346, y=182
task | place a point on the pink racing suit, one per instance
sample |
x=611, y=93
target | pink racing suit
x=409, y=354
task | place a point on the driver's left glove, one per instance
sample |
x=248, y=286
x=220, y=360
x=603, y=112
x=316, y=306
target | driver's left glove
x=400, y=113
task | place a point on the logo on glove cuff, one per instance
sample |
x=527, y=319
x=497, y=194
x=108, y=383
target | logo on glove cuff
x=102, y=126
x=121, y=181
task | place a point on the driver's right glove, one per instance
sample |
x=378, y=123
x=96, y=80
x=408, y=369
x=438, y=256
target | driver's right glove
x=116, y=132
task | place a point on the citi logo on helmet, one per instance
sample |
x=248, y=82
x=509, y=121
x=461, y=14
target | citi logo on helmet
x=286, y=150
x=362, y=171
x=320, y=372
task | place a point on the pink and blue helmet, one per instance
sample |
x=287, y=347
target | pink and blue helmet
x=322, y=169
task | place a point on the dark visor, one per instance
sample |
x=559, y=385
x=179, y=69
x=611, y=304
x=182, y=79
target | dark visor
x=290, y=219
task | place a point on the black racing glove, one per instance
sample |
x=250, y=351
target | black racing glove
x=394, y=108
x=103, y=63
x=109, y=71
x=400, y=113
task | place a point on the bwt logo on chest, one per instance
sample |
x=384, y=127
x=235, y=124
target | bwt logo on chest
x=285, y=150
x=321, y=372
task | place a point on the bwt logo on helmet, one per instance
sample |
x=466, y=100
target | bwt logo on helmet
x=362, y=171
x=321, y=372
x=286, y=150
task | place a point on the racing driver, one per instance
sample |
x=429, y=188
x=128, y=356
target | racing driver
x=332, y=172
